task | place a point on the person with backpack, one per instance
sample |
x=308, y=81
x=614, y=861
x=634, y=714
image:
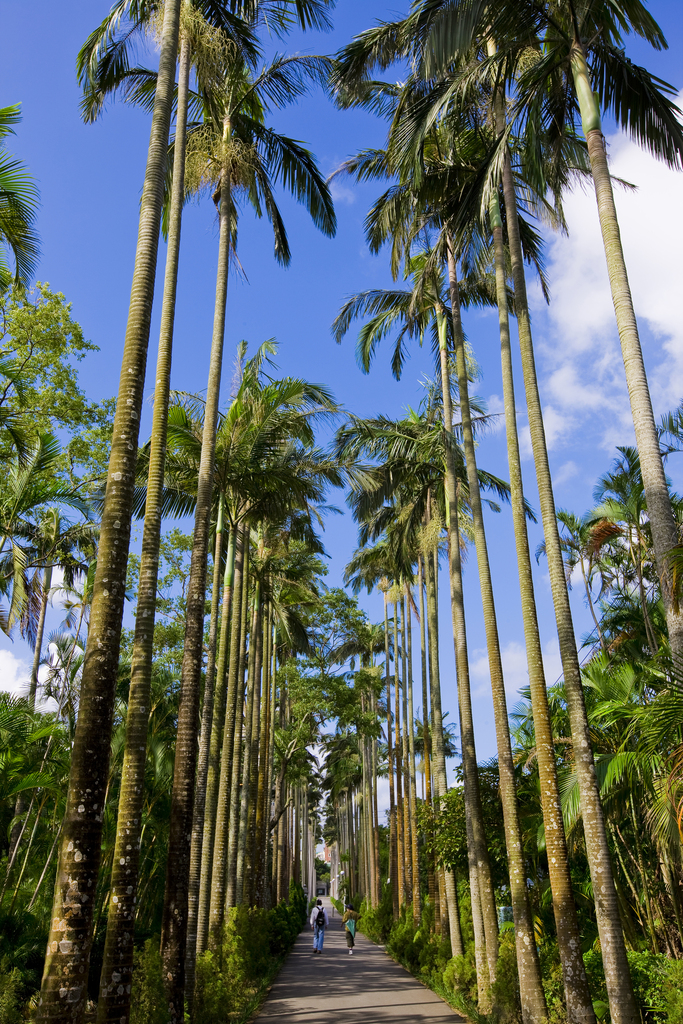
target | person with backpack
x=349, y=925
x=319, y=923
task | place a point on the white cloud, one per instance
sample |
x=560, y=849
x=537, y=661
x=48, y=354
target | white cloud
x=580, y=364
x=513, y=656
x=14, y=674
x=342, y=193
x=567, y=471
x=496, y=409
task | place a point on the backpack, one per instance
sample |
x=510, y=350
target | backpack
x=320, y=919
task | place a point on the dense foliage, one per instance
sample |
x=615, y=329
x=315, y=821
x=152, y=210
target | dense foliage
x=165, y=786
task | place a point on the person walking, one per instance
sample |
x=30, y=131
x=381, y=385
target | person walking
x=319, y=923
x=349, y=923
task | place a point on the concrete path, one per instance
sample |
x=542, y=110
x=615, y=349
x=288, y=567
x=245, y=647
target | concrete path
x=366, y=988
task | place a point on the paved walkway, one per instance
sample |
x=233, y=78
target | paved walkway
x=366, y=988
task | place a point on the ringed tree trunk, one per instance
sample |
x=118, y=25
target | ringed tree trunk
x=469, y=756
x=21, y=802
x=426, y=741
x=439, y=760
x=214, y=690
x=116, y=976
x=40, y=632
x=665, y=535
x=232, y=838
x=407, y=811
x=532, y=996
x=216, y=823
x=410, y=724
x=393, y=857
x=617, y=976
x=577, y=996
x=253, y=695
x=63, y=990
x=174, y=920
x=400, y=827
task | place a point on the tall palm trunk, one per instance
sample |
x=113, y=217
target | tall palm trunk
x=64, y=990
x=375, y=810
x=241, y=891
x=407, y=810
x=211, y=701
x=426, y=738
x=235, y=773
x=249, y=863
x=410, y=725
x=665, y=534
x=469, y=756
x=532, y=997
x=260, y=838
x=393, y=858
x=400, y=828
x=617, y=976
x=21, y=802
x=216, y=824
x=40, y=632
x=174, y=920
x=439, y=760
x=577, y=995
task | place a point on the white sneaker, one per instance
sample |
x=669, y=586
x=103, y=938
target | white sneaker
x=350, y=952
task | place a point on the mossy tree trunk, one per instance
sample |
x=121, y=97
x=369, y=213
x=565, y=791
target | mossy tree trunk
x=64, y=990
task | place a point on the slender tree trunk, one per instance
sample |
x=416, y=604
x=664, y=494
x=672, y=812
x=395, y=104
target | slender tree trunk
x=204, y=820
x=174, y=920
x=242, y=890
x=213, y=698
x=235, y=774
x=426, y=738
x=439, y=764
x=21, y=802
x=393, y=858
x=250, y=863
x=617, y=976
x=531, y=992
x=260, y=839
x=469, y=758
x=577, y=995
x=216, y=840
x=665, y=533
x=400, y=858
x=373, y=754
x=410, y=720
x=407, y=809
x=40, y=632
x=64, y=989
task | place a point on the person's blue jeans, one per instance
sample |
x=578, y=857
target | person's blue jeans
x=318, y=937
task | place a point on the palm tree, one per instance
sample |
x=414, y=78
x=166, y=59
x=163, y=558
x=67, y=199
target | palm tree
x=240, y=155
x=68, y=950
x=18, y=204
x=411, y=463
x=486, y=26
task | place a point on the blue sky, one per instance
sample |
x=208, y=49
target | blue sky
x=90, y=179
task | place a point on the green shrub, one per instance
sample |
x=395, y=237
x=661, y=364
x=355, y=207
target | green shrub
x=377, y=922
x=211, y=997
x=11, y=990
x=505, y=989
x=228, y=986
x=649, y=973
x=460, y=976
x=148, y=1002
x=672, y=992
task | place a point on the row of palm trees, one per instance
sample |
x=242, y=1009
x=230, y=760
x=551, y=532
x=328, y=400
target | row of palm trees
x=231, y=150
x=482, y=136
x=486, y=125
